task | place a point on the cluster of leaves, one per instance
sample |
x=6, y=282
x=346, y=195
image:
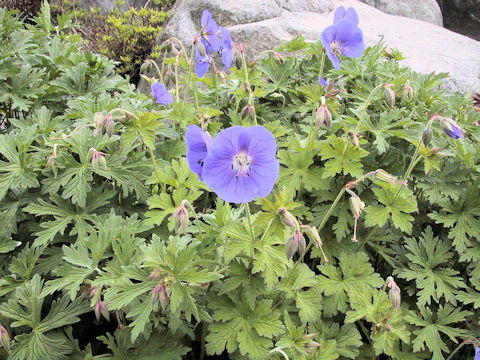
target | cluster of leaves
x=123, y=33
x=82, y=239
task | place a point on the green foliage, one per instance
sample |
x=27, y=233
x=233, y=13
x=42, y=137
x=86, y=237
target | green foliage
x=112, y=248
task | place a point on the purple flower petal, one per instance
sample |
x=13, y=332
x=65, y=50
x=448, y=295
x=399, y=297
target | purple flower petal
x=202, y=63
x=209, y=30
x=456, y=133
x=350, y=38
x=241, y=164
x=349, y=14
x=161, y=94
x=477, y=353
x=198, y=142
x=322, y=82
x=328, y=36
x=226, y=48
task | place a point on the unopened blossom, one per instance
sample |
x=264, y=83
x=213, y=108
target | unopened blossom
x=477, y=354
x=108, y=125
x=394, y=294
x=323, y=116
x=4, y=339
x=101, y=309
x=343, y=37
x=180, y=218
x=241, y=164
x=161, y=95
x=198, y=142
x=287, y=218
x=451, y=128
x=160, y=293
x=357, y=207
x=98, y=158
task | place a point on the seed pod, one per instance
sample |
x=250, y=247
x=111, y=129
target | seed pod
x=389, y=96
x=384, y=176
x=356, y=205
x=427, y=136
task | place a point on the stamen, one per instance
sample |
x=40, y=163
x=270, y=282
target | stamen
x=241, y=164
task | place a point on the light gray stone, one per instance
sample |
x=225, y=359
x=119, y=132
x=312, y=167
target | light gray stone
x=428, y=48
x=426, y=10
x=306, y=5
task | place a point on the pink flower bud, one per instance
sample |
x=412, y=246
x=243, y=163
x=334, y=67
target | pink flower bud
x=98, y=158
x=323, y=116
x=5, y=339
x=180, y=218
x=101, y=309
x=357, y=206
x=408, y=91
x=287, y=218
x=249, y=111
x=389, y=95
x=108, y=125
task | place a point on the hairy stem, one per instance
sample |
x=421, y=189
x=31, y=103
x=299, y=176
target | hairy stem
x=362, y=116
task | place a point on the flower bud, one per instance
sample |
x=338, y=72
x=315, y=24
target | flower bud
x=389, y=96
x=249, y=111
x=291, y=247
x=313, y=234
x=238, y=62
x=450, y=127
x=382, y=175
x=302, y=245
x=180, y=218
x=395, y=297
x=427, y=136
x=108, y=126
x=5, y=339
x=356, y=205
x=160, y=293
x=287, y=218
x=324, y=116
x=311, y=346
x=354, y=138
x=247, y=87
x=101, y=309
x=98, y=158
x=408, y=92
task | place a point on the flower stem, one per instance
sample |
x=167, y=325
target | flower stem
x=266, y=230
x=190, y=68
x=322, y=64
x=202, y=341
x=177, y=89
x=459, y=346
x=247, y=214
x=154, y=161
x=313, y=128
x=250, y=94
x=362, y=116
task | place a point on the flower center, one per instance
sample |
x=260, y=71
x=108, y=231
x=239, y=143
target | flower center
x=241, y=164
x=337, y=47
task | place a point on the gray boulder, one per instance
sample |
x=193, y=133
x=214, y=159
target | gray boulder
x=426, y=10
x=428, y=47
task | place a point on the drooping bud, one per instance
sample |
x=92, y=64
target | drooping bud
x=249, y=111
x=98, y=158
x=5, y=339
x=291, y=247
x=101, y=309
x=394, y=294
x=240, y=48
x=238, y=62
x=160, y=293
x=51, y=161
x=323, y=116
x=357, y=206
x=302, y=245
x=389, y=95
x=97, y=122
x=354, y=138
x=310, y=346
x=450, y=127
x=286, y=217
x=408, y=92
x=247, y=87
x=313, y=234
x=382, y=175
x=427, y=136
x=180, y=218
x=108, y=126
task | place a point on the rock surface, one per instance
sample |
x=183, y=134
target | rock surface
x=426, y=10
x=259, y=27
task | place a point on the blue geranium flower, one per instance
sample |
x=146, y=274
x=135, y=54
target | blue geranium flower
x=202, y=58
x=226, y=48
x=451, y=128
x=343, y=37
x=161, y=94
x=241, y=164
x=209, y=31
x=198, y=142
x=345, y=14
x=477, y=353
x=323, y=83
